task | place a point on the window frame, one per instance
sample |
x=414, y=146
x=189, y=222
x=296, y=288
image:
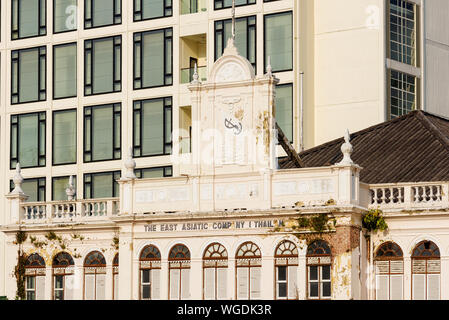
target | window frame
x=41, y=187
x=60, y=177
x=53, y=138
x=117, y=78
x=237, y=5
x=53, y=68
x=433, y=257
x=256, y=258
x=264, y=43
x=53, y=19
x=171, y=261
x=115, y=188
x=167, y=105
x=15, y=124
x=389, y=259
x=115, y=271
x=416, y=62
x=40, y=26
x=291, y=85
x=137, y=12
x=249, y=27
x=115, y=15
x=292, y=260
x=148, y=264
x=116, y=112
x=138, y=172
x=138, y=46
x=223, y=259
x=62, y=273
x=15, y=67
x=390, y=88
x=98, y=269
x=319, y=266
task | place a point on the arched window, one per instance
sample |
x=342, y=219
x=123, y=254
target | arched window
x=426, y=271
x=115, y=277
x=215, y=268
x=63, y=276
x=286, y=270
x=389, y=266
x=319, y=270
x=248, y=263
x=179, y=272
x=35, y=277
x=94, y=276
x=150, y=273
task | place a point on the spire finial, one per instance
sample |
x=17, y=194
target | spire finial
x=269, y=68
x=130, y=165
x=233, y=20
x=195, y=77
x=346, y=149
x=70, y=191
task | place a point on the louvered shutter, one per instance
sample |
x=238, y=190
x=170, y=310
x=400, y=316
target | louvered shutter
x=255, y=282
x=292, y=282
x=115, y=286
x=433, y=287
x=155, y=284
x=396, y=287
x=209, y=284
x=40, y=287
x=100, y=286
x=185, y=284
x=242, y=283
x=419, y=287
x=89, y=287
x=69, y=286
x=382, y=287
x=222, y=276
x=174, y=284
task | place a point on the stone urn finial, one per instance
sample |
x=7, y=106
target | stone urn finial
x=18, y=179
x=346, y=149
x=70, y=191
x=130, y=165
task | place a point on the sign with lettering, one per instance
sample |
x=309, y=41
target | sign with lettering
x=216, y=225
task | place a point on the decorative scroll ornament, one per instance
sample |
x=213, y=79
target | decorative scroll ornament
x=70, y=191
x=18, y=180
x=130, y=165
x=346, y=149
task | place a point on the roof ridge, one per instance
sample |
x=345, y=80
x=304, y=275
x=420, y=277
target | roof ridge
x=433, y=129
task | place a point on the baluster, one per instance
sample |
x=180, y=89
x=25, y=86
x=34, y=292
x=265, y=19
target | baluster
x=438, y=195
x=391, y=200
x=416, y=191
x=383, y=195
x=431, y=194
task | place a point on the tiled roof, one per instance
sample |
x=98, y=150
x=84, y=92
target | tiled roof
x=411, y=148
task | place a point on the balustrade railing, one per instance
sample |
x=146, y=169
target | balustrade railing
x=69, y=211
x=409, y=195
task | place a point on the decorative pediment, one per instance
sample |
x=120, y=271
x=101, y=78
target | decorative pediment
x=231, y=67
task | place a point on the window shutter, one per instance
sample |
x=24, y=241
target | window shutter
x=396, y=287
x=433, y=287
x=397, y=266
x=174, y=284
x=89, y=287
x=419, y=287
x=115, y=286
x=242, y=283
x=382, y=267
x=40, y=287
x=100, y=287
x=69, y=285
x=382, y=287
x=255, y=282
x=292, y=282
x=209, y=284
x=185, y=284
x=155, y=284
x=222, y=275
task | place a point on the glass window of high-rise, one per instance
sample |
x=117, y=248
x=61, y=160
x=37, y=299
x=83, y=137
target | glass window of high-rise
x=278, y=41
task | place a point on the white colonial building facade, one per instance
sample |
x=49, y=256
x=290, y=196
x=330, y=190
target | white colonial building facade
x=238, y=222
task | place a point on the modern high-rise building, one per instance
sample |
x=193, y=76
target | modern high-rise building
x=82, y=82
